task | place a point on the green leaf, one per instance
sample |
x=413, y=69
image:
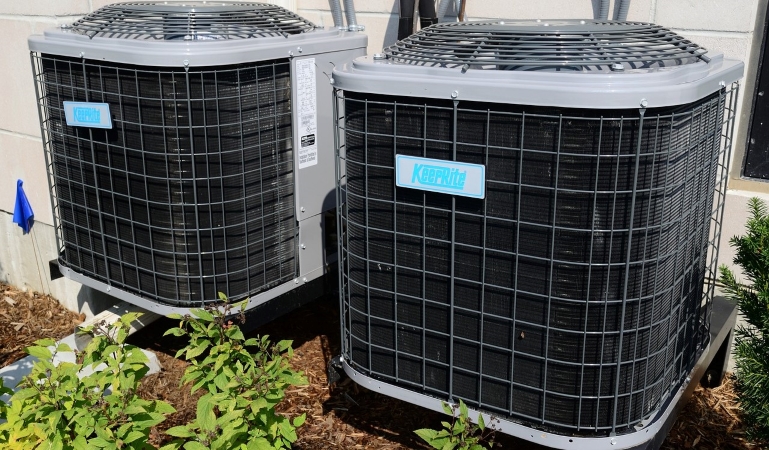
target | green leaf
x=202, y=314
x=45, y=342
x=63, y=347
x=299, y=420
x=205, y=413
x=128, y=318
x=99, y=442
x=481, y=423
x=222, y=297
x=133, y=436
x=192, y=445
x=463, y=409
x=426, y=434
x=39, y=352
x=193, y=352
x=175, y=332
x=259, y=444
x=181, y=431
x=447, y=408
x=234, y=333
x=163, y=407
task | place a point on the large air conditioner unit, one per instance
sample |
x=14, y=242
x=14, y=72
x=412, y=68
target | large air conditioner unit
x=529, y=213
x=189, y=148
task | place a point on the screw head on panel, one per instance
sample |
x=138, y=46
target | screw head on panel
x=378, y=56
x=82, y=54
x=644, y=103
x=290, y=53
x=186, y=62
x=299, y=49
x=301, y=209
x=303, y=246
x=304, y=280
x=455, y=94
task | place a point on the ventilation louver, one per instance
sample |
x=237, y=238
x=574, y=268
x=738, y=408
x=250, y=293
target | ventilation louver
x=169, y=132
x=532, y=231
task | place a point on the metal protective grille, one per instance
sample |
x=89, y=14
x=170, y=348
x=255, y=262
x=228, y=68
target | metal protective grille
x=560, y=45
x=192, y=190
x=191, y=21
x=571, y=297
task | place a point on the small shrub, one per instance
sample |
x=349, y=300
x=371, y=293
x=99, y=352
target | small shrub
x=3, y=408
x=243, y=380
x=62, y=407
x=751, y=345
x=460, y=433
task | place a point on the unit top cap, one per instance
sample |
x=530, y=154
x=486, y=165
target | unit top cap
x=190, y=21
x=552, y=45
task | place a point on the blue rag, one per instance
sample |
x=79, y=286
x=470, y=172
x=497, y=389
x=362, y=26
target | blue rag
x=22, y=212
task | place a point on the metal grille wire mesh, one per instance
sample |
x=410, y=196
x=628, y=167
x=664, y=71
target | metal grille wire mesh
x=190, y=193
x=191, y=21
x=565, y=45
x=571, y=297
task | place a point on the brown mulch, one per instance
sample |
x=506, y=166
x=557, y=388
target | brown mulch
x=26, y=317
x=345, y=416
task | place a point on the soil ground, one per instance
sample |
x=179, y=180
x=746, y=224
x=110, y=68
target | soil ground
x=344, y=416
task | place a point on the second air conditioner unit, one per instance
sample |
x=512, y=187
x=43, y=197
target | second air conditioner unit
x=528, y=215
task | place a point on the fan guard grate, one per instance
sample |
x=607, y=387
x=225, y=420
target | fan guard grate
x=191, y=21
x=575, y=45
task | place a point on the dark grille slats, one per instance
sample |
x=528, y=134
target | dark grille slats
x=192, y=191
x=571, y=297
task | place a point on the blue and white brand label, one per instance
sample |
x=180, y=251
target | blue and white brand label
x=87, y=114
x=437, y=175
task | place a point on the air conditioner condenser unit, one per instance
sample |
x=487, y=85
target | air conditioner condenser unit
x=528, y=214
x=189, y=149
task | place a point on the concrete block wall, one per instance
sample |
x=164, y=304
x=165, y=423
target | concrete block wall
x=720, y=25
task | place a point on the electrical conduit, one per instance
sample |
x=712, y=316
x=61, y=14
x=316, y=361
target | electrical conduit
x=336, y=13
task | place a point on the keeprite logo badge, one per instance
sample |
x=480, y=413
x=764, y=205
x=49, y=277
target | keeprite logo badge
x=87, y=114
x=435, y=175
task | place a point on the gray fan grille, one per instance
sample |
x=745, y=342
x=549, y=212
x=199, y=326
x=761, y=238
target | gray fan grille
x=530, y=45
x=191, y=21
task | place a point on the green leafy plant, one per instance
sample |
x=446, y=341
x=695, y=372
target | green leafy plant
x=460, y=433
x=752, y=341
x=88, y=404
x=3, y=408
x=242, y=380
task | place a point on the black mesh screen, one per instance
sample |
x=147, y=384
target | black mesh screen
x=571, y=296
x=190, y=193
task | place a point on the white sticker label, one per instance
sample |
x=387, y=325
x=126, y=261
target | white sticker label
x=307, y=112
